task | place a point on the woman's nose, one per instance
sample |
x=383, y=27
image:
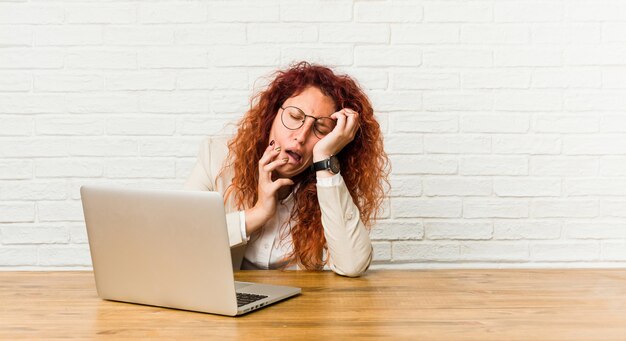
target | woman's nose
x=303, y=133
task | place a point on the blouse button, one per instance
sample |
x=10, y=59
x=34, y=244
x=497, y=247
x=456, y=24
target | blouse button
x=349, y=215
x=267, y=246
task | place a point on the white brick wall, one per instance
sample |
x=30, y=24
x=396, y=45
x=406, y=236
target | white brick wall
x=505, y=121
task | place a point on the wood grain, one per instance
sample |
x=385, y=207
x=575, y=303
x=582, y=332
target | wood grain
x=402, y=304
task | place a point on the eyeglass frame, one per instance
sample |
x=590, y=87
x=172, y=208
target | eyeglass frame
x=315, y=130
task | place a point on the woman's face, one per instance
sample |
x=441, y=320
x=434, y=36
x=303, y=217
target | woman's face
x=297, y=145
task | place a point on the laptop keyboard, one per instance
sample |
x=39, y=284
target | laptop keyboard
x=243, y=298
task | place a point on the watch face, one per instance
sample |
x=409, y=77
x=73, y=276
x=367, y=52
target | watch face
x=334, y=164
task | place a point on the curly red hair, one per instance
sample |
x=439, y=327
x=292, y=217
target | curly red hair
x=364, y=163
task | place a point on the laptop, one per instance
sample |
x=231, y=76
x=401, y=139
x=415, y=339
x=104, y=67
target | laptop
x=168, y=248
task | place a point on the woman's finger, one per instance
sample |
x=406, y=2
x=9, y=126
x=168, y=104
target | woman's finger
x=272, y=165
x=341, y=120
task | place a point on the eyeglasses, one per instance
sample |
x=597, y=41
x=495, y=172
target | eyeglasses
x=293, y=118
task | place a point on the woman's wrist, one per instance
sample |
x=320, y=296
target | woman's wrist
x=254, y=219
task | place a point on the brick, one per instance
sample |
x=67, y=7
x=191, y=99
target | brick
x=524, y=11
x=590, y=11
x=138, y=35
x=531, y=187
x=33, y=190
x=171, y=103
x=102, y=146
x=425, y=208
x=34, y=234
x=368, y=79
x=457, y=57
x=564, y=208
x=68, y=35
x=607, y=100
x=524, y=56
x=457, y=230
x=600, y=187
x=495, y=34
x=173, y=58
x=612, y=207
x=204, y=126
x=567, y=78
x=500, y=123
x=572, y=33
x=396, y=100
x=613, y=79
x=17, y=212
x=14, y=35
x=458, y=11
x=16, y=126
x=397, y=230
x=613, y=166
x=564, y=251
x=463, y=186
x=16, y=169
x=332, y=56
x=64, y=256
x=68, y=82
x=280, y=33
x=229, y=102
x=424, y=34
x=316, y=11
x=33, y=104
x=494, y=251
x=210, y=34
x=424, y=251
x=78, y=233
x=101, y=14
x=613, y=250
x=522, y=100
x=594, y=230
x=31, y=58
x=387, y=56
x=61, y=168
x=495, y=79
x=565, y=166
x=101, y=59
x=164, y=147
x=405, y=11
x=424, y=122
x=404, y=144
x=141, y=168
x=613, y=123
x=457, y=144
x=382, y=251
x=594, y=144
x=148, y=125
x=30, y=14
x=526, y=144
x=526, y=229
x=33, y=147
x=494, y=165
x=565, y=123
x=18, y=255
x=15, y=82
x=424, y=80
x=354, y=33
x=457, y=101
x=495, y=208
x=406, y=186
x=96, y=103
x=244, y=56
x=409, y=164
x=69, y=125
x=601, y=55
x=155, y=13
x=59, y=211
x=244, y=11
x=141, y=80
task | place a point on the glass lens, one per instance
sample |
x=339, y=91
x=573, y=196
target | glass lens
x=292, y=118
x=324, y=125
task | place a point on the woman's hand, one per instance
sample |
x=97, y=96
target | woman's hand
x=267, y=190
x=342, y=134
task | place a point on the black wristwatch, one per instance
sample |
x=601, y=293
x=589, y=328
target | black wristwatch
x=331, y=164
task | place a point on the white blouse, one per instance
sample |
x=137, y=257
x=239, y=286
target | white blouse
x=266, y=248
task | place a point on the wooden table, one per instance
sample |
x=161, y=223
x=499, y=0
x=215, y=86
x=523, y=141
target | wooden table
x=424, y=304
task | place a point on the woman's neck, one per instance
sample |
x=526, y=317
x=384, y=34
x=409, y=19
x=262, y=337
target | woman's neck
x=283, y=192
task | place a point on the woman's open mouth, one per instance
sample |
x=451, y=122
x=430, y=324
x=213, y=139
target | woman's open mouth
x=294, y=157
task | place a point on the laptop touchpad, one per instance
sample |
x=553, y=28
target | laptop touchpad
x=240, y=285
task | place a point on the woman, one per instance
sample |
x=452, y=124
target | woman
x=303, y=177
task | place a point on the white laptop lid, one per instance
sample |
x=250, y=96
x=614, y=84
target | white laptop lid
x=160, y=247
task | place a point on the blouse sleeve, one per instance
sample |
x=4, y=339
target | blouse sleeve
x=201, y=179
x=349, y=245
